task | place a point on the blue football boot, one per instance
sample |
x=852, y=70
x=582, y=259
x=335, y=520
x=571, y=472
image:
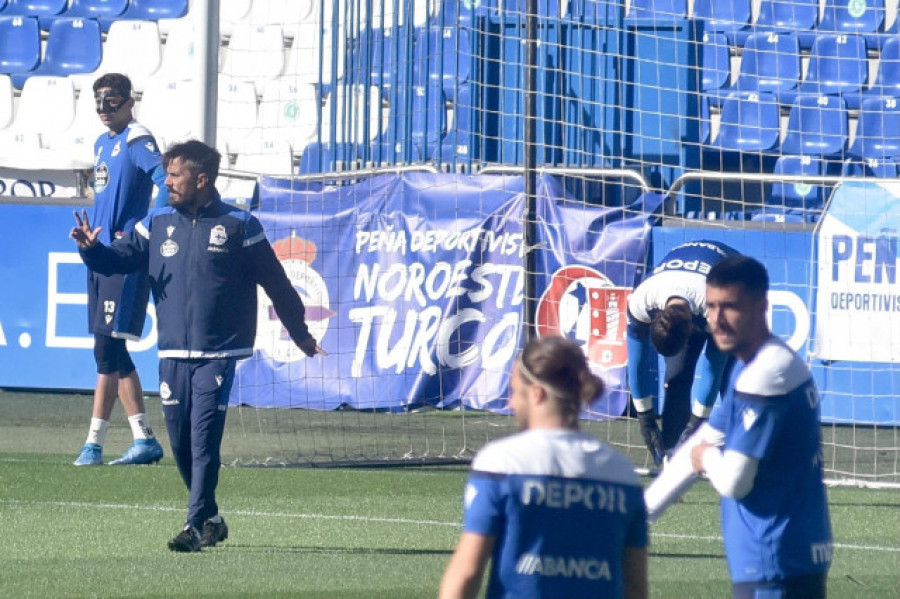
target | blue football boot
x=142, y=451
x=91, y=455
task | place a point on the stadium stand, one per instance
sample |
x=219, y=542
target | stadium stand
x=237, y=113
x=878, y=129
x=658, y=9
x=35, y=8
x=716, y=65
x=883, y=168
x=73, y=46
x=749, y=122
x=851, y=17
x=254, y=53
x=781, y=16
x=96, y=9
x=230, y=13
x=817, y=126
x=724, y=17
x=178, y=62
x=798, y=195
x=156, y=112
x=7, y=101
x=887, y=76
x=20, y=46
x=131, y=47
x=442, y=55
x=838, y=64
x=770, y=62
x=148, y=10
x=76, y=143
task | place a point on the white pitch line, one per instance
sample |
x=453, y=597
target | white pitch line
x=302, y=516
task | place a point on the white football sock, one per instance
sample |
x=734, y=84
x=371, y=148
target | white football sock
x=97, y=431
x=140, y=426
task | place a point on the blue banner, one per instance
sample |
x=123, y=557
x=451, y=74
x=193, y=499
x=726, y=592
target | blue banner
x=415, y=286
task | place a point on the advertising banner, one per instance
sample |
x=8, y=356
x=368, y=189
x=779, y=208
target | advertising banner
x=415, y=286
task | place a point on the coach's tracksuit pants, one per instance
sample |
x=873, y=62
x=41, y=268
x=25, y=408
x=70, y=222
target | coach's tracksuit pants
x=194, y=396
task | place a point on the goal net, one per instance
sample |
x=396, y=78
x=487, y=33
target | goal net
x=443, y=178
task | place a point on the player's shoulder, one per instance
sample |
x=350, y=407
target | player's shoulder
x=139, y=134
x=558, y=453
x=775, y=370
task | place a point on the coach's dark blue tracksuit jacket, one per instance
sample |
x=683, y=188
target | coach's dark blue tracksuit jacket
x=203, y=273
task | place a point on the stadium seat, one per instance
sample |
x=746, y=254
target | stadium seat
x=236, y=113
x=817, y=126
x=770, y=62
x=457, y=146
x=47, y=105
x=352, y=114
x=7, y=99
x=317, y=55
x=749, y=122
x=887, y=76
x=77, y=141
x=860, y=17
x=798, y=194
x=148, y=10
x=20, y=46
x=230, y=13
x=442, y=55
x=178, y=63
x=429, y=119
x=726, y=17
x=288, y=115
x=96, y=9
x=254, y=53
x=22, y=149
x=786, y=16
x=838, y=64
x=877, y=129
x=660, y=10
x=373, y=57
x=288, y=14
x=716, y=62
x=73, y=46
x=319, y=157
x=546, y=9
x=35, y=8
x=881, y=168
x=160, y=110
x=132, y=48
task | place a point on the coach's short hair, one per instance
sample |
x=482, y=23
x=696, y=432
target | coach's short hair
x=117, y=81
x=670, y=328
x=741, y=270
x=197, y=156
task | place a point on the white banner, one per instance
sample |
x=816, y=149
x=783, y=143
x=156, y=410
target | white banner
x=858, y=298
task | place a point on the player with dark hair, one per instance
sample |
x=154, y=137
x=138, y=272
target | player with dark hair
x=127, y=163
x=761, y=449
x=668, y=312
x=205, y=260
x=557, y=513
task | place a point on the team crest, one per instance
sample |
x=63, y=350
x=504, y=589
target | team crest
x=583, y=305
x=168, y=249
x=116, y=148
x=297, y=256
x=218, y=236
x=749, y=417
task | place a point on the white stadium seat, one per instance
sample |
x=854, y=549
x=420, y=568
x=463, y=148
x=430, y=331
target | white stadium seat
x=236, y=111
x=162, y=110
x=7, y=101
x=254, y=52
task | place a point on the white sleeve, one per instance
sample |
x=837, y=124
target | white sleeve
x=731, y=473
x=678, y=474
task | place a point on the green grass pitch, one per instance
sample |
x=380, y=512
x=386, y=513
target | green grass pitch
x=363, y=533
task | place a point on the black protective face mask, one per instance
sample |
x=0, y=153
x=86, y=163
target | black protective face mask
x=109, y=102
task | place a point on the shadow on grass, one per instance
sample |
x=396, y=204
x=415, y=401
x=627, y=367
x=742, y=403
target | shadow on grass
x=302, y=549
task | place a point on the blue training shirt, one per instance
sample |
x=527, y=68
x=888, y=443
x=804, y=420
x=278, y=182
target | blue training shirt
x=126, y=166
x=781, y=529
x=562, y=507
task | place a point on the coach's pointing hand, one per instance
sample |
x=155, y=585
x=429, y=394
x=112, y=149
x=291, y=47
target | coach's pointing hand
x=311, y=348
x=82, y=233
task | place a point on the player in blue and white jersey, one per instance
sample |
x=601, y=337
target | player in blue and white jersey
x=767, y=465
x=557, y=513
x=127, y=164
x=667, y=314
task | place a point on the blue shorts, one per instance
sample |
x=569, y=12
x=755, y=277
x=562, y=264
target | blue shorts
x=117, y=304
x=112, y=356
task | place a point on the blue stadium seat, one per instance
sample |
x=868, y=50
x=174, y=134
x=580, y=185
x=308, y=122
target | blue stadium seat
x=798, y=194
x=881, y=168
x=148, y=10
x=459, y=144
x=861, y=17
x=838, y=64
x=749, y=123
x=442, y=55
x=817, y=126
x=726, y=17
x=20, y=45
x=770, y=62
x=660, y=10
x=453, y=13
x=2, y=5
x=73, y=46
x=96, y=9
x=887, y=76
x=322, y=157
x=35, y=8
x=429, y=119
x=546, y=9
x=794, y=16
x=716, y=62
x=877, y=129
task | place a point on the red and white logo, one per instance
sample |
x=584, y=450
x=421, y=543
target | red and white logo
x=583, y=305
